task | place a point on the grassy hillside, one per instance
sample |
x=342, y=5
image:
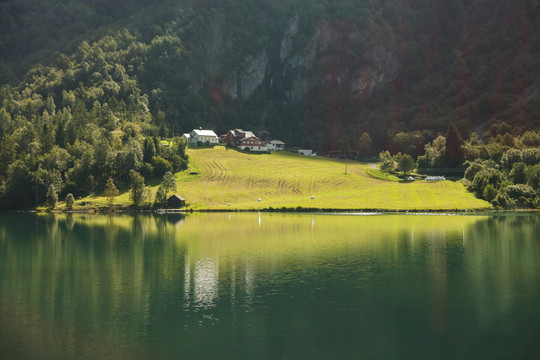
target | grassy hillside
x=288, y=180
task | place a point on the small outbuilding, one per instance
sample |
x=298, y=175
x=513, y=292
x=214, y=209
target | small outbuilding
x=176, y=201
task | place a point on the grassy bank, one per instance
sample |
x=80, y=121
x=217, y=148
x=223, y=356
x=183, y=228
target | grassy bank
x=219, y=177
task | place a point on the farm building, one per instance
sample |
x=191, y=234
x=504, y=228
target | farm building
x=275, y=145
x=252, y=143
x=234, y=136
x=245, y=140
x=176, y=201
x=203, y=137
x=306, y=152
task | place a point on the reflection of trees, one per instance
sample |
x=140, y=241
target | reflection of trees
x=92, y=275
x=502, y=260
x=128, y=278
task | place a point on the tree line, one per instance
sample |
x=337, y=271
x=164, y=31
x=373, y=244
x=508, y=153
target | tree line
x=501, y=168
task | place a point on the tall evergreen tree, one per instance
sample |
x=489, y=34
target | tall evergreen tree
x=52, y=197
x=110, y=192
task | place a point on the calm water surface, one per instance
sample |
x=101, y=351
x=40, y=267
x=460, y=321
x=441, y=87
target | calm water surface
x=269, y=286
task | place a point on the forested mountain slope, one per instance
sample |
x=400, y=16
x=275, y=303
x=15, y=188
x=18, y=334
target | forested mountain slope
x=338, y=76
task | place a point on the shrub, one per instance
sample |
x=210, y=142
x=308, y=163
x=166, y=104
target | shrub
x=70, y=201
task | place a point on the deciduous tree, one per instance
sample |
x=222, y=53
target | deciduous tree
x=406, y=163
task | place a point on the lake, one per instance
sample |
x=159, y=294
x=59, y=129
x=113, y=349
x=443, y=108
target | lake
x=269, y=286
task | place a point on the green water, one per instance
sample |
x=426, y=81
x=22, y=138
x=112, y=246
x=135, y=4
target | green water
x=269, y=286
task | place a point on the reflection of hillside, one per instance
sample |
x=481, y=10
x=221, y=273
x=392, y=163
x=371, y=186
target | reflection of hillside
x=502, y=259
x=275, y=235
x=92, y=275
x=259, y=280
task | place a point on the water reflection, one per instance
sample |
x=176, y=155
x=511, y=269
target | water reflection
x=267, y=285
x=206, y=277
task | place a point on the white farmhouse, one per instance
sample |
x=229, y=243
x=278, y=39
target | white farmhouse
x=205, y=137
x=275, y=145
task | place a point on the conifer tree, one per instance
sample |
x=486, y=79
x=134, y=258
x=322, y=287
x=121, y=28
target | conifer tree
x=52, y=197
x=110, y=192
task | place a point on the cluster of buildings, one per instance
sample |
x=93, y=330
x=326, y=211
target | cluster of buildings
x=244, y=140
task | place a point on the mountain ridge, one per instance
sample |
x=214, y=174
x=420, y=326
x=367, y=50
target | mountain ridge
x=340, y=77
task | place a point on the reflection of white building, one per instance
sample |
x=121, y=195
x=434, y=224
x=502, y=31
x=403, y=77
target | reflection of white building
x=202, y=282
x=204, y=137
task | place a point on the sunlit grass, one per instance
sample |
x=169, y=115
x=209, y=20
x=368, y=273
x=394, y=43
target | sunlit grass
x=288, y=180
x=378, y=174
x=218, y=177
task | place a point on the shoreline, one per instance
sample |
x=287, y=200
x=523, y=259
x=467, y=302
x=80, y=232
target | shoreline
x=297, y=210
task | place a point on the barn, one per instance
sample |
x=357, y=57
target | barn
x=175, y=202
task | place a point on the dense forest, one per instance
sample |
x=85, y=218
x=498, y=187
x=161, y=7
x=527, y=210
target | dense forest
x=88, y=88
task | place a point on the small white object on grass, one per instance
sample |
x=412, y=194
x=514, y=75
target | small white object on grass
x=312, y=197
x=259, y=200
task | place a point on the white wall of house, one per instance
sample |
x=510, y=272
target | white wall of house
x=275, y=145
x=203, y=136
x=255, y=148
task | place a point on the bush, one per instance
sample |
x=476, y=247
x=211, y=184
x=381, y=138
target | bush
x=70, y=201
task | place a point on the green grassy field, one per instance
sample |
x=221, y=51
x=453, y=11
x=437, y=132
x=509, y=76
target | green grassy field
x=288, y=180
x=283, y=179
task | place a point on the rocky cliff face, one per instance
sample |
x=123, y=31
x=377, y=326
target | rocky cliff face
x=402, y=67
x=334, y=57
